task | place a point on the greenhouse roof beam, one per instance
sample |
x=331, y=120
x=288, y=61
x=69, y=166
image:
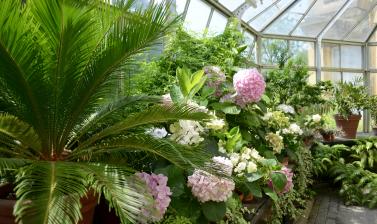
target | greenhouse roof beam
x=371, y=34
x=278, y=15
x=358, y=23
x=334, y=18
x=302, y=17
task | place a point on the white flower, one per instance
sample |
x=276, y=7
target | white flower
x=294, y=128
x=186, y=132
x=216, y=124
x=157, y=132
x=240, y=167
x=286, y=109
x=234, y=158
x=267, y=116
x=166, y=100
x=255, y=154
x=197, y=107
x=245, y=155
x=316, y=118
x=251, y=167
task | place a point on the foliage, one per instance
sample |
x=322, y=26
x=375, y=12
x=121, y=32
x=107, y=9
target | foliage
x=276, y=52
x=373, y=109
x=350, y=98
x=62, y=124
x=365, y=152
x=234, y=212
x=289, y=85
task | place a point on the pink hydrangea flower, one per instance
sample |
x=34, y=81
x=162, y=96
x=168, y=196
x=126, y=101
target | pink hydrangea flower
x=289, y=185
x=161, y=193
x=208, y=187
x=249, y=85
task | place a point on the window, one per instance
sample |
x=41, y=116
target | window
x=217, y=24
x=351, y=56
x=303, y=50
x=330, y=55
x=196, y=23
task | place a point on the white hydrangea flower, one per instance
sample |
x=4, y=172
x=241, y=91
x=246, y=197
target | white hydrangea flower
x=186, y=132
x=224, y=163
x=234, y=158
x=316, y=118
x=295, y=129
x=157, y=132
x=286, y=109
x=216, y=124
x=255, y=154
x=251, y=167
x=267, y=116
x=240, y=167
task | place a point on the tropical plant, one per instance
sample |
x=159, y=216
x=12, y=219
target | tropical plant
x=59, y=62
x=350, y=98
x=365, y=152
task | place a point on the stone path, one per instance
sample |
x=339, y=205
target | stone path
x=328, y=208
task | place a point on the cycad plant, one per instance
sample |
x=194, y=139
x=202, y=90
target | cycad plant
x=59, y=123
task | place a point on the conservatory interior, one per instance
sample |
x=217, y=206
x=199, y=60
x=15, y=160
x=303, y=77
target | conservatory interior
x=188, y=111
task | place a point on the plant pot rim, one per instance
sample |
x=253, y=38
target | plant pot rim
x=348, y=117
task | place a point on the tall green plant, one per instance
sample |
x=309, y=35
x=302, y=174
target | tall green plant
x=58, y=63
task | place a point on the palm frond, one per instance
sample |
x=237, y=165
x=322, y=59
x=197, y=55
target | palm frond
x=19, y=131
x=106, y=110
x=156, y=114
x=127, y=195
x=50, y=193
x=11, y=164
x=182, y=156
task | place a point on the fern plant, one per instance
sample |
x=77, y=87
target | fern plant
x=59, y=125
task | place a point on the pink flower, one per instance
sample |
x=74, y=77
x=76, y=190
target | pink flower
x=289, y=185
x=161, y=193
x=249, y=85
x=215, y=79
x=207, y=187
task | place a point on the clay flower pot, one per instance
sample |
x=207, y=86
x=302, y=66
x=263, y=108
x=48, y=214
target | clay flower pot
x=348, y=125
x=6, y=206
x=328, y=137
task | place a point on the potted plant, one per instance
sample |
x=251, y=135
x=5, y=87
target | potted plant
x=350, y=99
x=64, y=133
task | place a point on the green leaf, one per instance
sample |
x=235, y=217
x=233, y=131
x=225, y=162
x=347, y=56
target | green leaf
x=254, y=188
x=176, y=179
x=279, y=181
x=214, y=211
x=197, y=77
x=271, y=193
x=269, y=162
x=176, y=95
x=183, y=75
x=251, y=177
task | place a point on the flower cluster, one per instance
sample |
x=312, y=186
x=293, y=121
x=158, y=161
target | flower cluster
x=157, y=185
x=157, y=132
x=215, y=124
x=275, y=141
x=289, y=175
x=199, y=108
x=186, y=132
x=208, y=187
x=315, y=121
x=276, y=119
x=246, y=161
x=286, y=109
x=215, y=79
x=293, y=129
x=249, y=85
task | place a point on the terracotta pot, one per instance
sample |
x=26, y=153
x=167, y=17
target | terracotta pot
x=248, y=198
x=328, y=137
x=348, y=125
x=6, y=207
x=374, y=131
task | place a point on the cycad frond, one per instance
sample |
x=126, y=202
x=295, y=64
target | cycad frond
x=179, y=155
x=156, y=114
x=20, y=131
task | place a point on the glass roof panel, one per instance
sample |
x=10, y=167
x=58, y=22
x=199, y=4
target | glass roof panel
x=252, y=12
x=268, y=15
x=354, y=14
x=180, y=6
x=196, y=23
x=217, y=24
x=231, y=4
x=285, y=23
x=318, y=17
x=362, y=30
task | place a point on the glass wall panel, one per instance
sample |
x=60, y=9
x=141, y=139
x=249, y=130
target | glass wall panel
x=373, y=83
x=217, y=24
x=285, y=23
x=196, y=23
x=373, y=57
x=318, y=17
x=267, y=16
x=353, y=15
x=373, y=38
x=180, y=6
x=231, y=5
x=312, y=80
x=351, y=56
x=304, y=50
x=334, y=77
x=353, y=77
x=269, y=48
x=330, y=55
